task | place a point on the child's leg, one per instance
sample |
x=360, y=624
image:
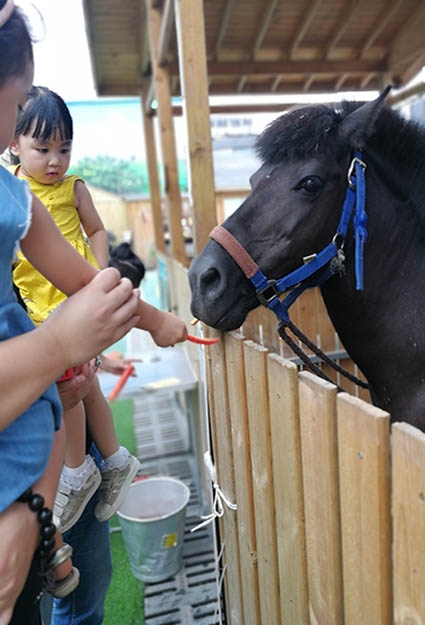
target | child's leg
x=75, y=428
x=100, y=421
x=80, y=477
x=119, y=466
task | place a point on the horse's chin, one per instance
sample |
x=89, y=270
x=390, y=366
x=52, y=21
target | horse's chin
x=231, y=319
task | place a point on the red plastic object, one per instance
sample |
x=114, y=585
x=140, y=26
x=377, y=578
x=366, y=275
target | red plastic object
x=67, y=375
x=121, y=381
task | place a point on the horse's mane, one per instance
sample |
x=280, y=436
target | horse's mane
x=396, y=146
x=302, y=132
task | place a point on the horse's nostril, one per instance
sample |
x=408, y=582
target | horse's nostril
x=209, y=280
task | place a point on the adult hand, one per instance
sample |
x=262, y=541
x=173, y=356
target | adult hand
x=116, y=366
x=74, y=390
x=20, y=532
x=98, y=315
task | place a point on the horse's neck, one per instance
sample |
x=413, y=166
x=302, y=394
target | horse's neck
x=388, y=316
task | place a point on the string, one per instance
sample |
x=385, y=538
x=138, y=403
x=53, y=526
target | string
x=219, y=497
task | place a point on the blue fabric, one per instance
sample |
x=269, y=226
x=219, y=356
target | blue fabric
x=91, y=555
x=26, y=443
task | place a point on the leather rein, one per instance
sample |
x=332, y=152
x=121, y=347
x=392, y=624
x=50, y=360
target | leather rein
x=317, y=268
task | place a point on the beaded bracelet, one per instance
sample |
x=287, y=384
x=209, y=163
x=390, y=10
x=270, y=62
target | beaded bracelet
x=35, y=503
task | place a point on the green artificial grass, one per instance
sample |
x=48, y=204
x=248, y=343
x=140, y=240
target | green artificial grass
x=124, y=601
x=123, y=414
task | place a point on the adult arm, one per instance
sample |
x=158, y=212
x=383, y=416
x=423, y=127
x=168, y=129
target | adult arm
x=83, y=326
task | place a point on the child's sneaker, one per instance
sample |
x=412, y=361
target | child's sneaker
x=70, y=502
x=115, y=483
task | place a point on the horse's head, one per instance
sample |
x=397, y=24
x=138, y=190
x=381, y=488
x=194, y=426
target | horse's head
x=293, y=208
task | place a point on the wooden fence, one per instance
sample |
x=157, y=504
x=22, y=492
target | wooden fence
x=330, y=520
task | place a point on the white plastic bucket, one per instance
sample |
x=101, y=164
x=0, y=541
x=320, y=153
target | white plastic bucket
x=152, y=519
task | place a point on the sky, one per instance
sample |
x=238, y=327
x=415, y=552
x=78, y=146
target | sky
x=62, y=59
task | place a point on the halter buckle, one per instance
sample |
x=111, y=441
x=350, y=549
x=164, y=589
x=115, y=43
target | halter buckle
x=268, y=294
x=352, y=170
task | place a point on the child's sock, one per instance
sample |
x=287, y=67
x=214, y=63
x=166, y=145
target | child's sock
x=76, y=477
x=117, y=460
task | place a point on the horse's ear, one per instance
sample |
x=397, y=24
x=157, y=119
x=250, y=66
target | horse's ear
x=358, y=125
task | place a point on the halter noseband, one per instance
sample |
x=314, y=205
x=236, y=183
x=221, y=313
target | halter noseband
x=330, y=259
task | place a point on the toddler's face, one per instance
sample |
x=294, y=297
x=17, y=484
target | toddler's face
x=13, y=95
x=44, y=160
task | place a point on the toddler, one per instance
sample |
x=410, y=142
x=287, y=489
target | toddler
x=42, y=149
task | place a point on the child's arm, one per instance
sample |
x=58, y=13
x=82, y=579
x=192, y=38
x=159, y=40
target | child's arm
x=61, y=264
x=166, y=329
x=92, y=223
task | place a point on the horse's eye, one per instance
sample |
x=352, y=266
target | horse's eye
x=310, y=184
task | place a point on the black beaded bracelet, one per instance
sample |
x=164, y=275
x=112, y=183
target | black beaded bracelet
x=35, y=503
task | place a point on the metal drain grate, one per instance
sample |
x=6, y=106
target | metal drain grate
x=160, y=424
x=191, y=597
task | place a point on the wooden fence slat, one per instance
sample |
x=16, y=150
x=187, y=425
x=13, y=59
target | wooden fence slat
x=223, y=459
x=408, y=467
x=259, y=431
x=364, y=471
x=321, y=499
x=288, y=490
x=243, y=479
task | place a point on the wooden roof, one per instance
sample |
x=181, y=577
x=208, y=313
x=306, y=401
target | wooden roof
x=266, y=46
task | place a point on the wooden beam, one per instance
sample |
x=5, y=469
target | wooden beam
x=230, y=68
x=303, y=27
x=344, y=21
x=149, y=97
x=152, y=163
x=167, y=25
x=384, y=17
x=228, y=9
x=265, y=22
x=168, y=142
x=194, y=81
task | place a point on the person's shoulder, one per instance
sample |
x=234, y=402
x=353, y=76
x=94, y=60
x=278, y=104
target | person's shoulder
x=8, y=177
x=72, y=179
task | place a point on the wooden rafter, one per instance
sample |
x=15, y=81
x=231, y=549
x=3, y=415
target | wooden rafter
x=303, y=27
x=167, y=26
x=383, y=19
x=230, y=68
x=343, y=24
x=228, y=9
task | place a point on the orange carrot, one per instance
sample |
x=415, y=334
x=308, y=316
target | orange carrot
x=197, y=339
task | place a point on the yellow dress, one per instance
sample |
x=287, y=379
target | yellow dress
x=39, y=295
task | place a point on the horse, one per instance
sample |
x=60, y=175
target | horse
x=368, y=260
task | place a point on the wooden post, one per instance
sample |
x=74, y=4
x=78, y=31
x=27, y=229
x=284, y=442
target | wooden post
x=408, y=508
x=168, y=143
x=194, y=80
x=151, y=159
x=364, y=481
x=318, y=427
x=262, y=480
x=288, y=489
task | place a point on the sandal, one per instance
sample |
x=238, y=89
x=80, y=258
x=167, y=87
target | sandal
x=63, y=587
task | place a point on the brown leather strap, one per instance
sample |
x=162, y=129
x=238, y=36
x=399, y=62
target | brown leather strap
x=235, y=249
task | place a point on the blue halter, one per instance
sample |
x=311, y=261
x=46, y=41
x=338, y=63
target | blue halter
x=331, y=257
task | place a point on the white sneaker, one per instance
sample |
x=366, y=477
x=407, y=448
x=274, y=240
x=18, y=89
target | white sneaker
x=70, y=503
x=115, y=483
